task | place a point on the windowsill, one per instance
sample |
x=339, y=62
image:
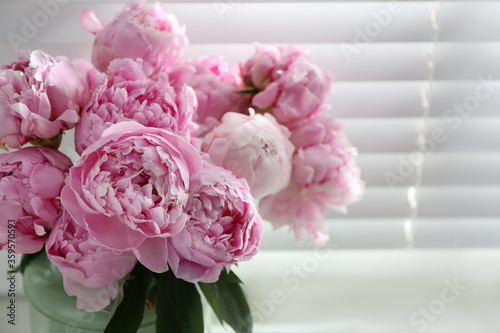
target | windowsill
x=361, y=291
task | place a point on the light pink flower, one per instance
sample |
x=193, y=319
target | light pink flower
x=90, y=271
x=253, y=147
x=127, y=93
x=40, y=96
x=215, y=89
x=31, y=180
x=286, y=83
x=324, y=174
x=324, y=162
x=130, y=189
x=224, y=227
x=298, y=209
x=140, y=30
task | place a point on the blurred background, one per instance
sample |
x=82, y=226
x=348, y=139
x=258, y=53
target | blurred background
x=416, y=87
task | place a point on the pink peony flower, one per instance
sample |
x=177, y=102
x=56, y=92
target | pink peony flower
x=214, y=86
x=298, y=209
x=130, y=189
x=31, y=180
x=90, y=271
x=224, y=227
x=253, y=147
x=286, y=83
x=324, y=174
x=127, y=93
x=39, y=97
x=140, y=30
x=324, y=162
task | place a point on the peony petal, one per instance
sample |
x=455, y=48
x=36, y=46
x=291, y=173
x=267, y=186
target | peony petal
x=152, y=253
x=91, y=22
x=74, y=204
x=266, y=98
x=46, y=181
x=112, y=232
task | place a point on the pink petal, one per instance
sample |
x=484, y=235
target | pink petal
x=73, y=204
x=152, y=253
x=112, y=232
x=45, y=181
x=267, y=97
x=91, y=22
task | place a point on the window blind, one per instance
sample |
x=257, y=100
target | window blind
x=416, y=86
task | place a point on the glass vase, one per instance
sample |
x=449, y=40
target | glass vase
x=53, y=311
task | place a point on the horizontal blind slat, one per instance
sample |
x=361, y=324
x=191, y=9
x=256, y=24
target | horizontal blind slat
x=325, y=21
x=477, y=98
x=249, y=22
x=371, y=135
x=377, y=202
x=453, y=133
x=461, y=134
x=344, y=234
x=462, y=169
x=459, y=201
x=405, y=61
x=389, y=233
x=439, y=169
x=458, y=232
x=470, y=20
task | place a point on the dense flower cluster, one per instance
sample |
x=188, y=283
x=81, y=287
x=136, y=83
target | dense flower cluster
x=175, y=154
x=285, y=83
x=31, y=180
x=140, y=31
x=126, y=93
x=215, y=89
x=39, y=97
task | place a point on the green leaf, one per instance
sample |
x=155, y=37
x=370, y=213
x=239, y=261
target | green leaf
x=178, y=306
x=233, y=306
x=118, y=300
x=248, y=92
x=230, y=277
x=25, y=260
x=53, y=142
x=211, y=294
x=228, y=301
x=127, y=316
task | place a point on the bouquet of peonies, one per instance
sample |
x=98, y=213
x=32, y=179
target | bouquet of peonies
x=179, y=159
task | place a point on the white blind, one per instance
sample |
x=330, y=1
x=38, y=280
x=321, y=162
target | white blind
x=410, y=77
